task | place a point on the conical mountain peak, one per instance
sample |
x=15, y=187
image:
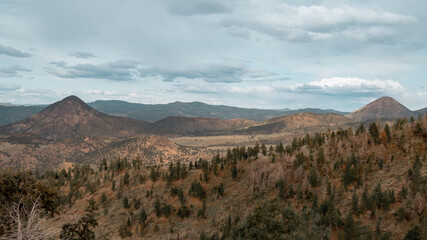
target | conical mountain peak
x=382, y=108
x=71, y=117
x=69, y=105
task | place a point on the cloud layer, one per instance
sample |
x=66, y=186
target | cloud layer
x=115, y=71
x=319, y=23
x=268, y=54
x=84, y=55
x=13, y=52
x=12, y=71
x=199, y=7
x=354, y=87
x=224, y=72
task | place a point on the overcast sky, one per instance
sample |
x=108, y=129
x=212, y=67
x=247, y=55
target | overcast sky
x=264, y=54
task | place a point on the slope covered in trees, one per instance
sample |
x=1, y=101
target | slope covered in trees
x=364, y=183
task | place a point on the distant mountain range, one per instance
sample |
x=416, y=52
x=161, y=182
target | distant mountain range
x=71, y=130
x=6, y=104
x=71, y=117
x=11, y=114
x=155, y=112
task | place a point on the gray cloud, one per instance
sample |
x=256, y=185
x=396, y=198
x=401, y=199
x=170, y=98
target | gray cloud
x=125, y=64
x=318, y=23
x=84, y=55
x=59, y=63
x=124, y=70
x=9, y=87
x=197, y=7
x=13, y=52
x=227, y=72
x=347, y=87
x=12, y=71
x=186, y=41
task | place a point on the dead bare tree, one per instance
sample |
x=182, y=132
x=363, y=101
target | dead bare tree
x=27, y=223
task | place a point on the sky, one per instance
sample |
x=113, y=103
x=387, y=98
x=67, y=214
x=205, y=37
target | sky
x=270, y=54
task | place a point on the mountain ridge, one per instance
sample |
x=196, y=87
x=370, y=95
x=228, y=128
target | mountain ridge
x=298, y=121
x=197, y=126
x=155, y=112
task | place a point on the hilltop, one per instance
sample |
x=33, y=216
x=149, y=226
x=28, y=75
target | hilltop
x=382, y=108
x=198, y=126
x=299, y=121
x=71, y=117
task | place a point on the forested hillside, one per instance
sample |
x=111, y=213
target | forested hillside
x=364, y=183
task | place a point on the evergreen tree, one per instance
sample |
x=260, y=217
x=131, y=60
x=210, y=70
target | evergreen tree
x=126, y=179
x=202, y=211
x=233, y=171
x=158, y=208
x=365, y=200
x=312, y=177
x=264, y=149
x=350, y=232
x=355, y=203
x=197, y=190
x=413, y=234
x=82, y=230
x=125, y=202
x=360, y=130
x=104, y=199
x=373, y=131
x=387, y=132
x=183, y=212
x=142, y=216
x=320, y=156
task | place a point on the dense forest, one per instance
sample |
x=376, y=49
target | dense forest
x=364, y=183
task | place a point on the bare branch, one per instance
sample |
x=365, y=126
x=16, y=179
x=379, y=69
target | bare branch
x=27, y=223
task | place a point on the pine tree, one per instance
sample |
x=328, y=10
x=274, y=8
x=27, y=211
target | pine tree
x=233, y=171
x=312, y=177
x=355, y=203
x=104, y=199
x=142, y=216
x=387, y=132
x=202, y=211
x=126, y=179
x=373, y=131
x=264, y=149
x=125, y=202
x=413, y=234
x=360, y=130
x=157, y=208
x=315, y=203
x=378, y=196
x=349, y=227
x=320, y=156
x=365, y=200
x=82, y=230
